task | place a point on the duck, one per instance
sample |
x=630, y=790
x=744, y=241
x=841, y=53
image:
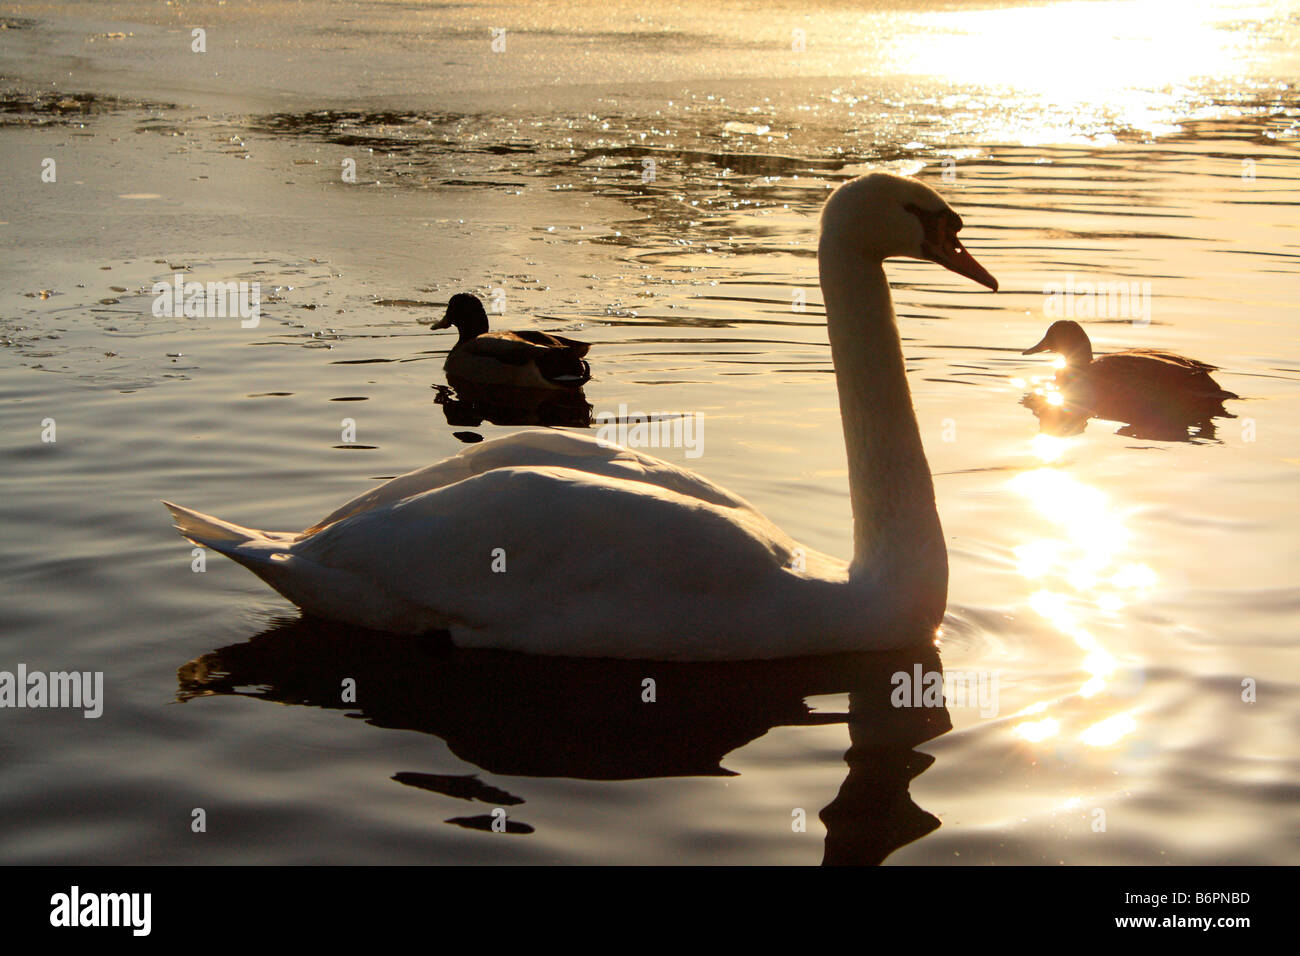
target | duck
x=563, y=543
x=527, y=359
x=1135, y=385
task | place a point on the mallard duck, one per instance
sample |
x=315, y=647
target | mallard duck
x=1133, y=385
x=527, y=359
x=555, y=542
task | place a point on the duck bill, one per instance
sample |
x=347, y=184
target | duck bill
x=443, y=323
x=958, y=260
x=1040, y=347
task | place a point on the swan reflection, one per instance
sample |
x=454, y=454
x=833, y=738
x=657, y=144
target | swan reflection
x=519, y=715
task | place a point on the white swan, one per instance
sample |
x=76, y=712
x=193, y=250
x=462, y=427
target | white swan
x=611, y=553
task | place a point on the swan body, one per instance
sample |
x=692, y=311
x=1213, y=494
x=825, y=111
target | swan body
x=559, y=543
x=603, y=552
x=527, y=359
x=1133, y=384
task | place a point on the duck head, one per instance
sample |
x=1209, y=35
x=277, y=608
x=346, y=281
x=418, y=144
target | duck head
x=1068, y=339
x=905, y=217
x=466, y=313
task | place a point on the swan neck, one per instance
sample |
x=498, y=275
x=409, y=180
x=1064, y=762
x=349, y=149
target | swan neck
x=897, y=539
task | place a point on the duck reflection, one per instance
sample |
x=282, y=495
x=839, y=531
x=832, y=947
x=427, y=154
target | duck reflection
x=1062, y=413
x=523, y=715
x=471, y=404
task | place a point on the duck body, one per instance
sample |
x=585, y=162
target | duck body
x=561, y=543
x=528, y=359
x=1133, y=385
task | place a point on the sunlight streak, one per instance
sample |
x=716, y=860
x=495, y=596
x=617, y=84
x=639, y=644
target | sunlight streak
x=1077, y=571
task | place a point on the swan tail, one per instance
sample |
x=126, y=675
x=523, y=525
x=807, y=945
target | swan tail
x=259, y=551
x=327, y=592
x=207, y=530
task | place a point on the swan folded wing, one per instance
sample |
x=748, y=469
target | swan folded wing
x=538, y=448
x=519, y=552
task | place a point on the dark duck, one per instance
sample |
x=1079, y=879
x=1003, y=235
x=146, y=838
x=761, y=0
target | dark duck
x=527, y=359
x=1131, y=386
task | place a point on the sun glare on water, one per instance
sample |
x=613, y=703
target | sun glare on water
x=1127, y=61
x=1078, y=572
x=1083, y=51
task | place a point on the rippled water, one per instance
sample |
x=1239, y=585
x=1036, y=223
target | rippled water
x=1120, y=585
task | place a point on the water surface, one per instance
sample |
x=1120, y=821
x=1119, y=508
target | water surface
x=661, y=204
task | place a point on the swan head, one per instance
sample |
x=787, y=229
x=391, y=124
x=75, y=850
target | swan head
x=882, y=215
x=465, y=311
x=1066, y=338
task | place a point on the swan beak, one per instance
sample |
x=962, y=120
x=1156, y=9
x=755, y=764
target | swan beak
x=1040, y=347
x=958, y=260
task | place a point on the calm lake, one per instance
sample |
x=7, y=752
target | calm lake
x=647, y=180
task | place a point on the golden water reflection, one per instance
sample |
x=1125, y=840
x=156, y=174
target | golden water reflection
x=1081, y=570
x=1139, y=56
